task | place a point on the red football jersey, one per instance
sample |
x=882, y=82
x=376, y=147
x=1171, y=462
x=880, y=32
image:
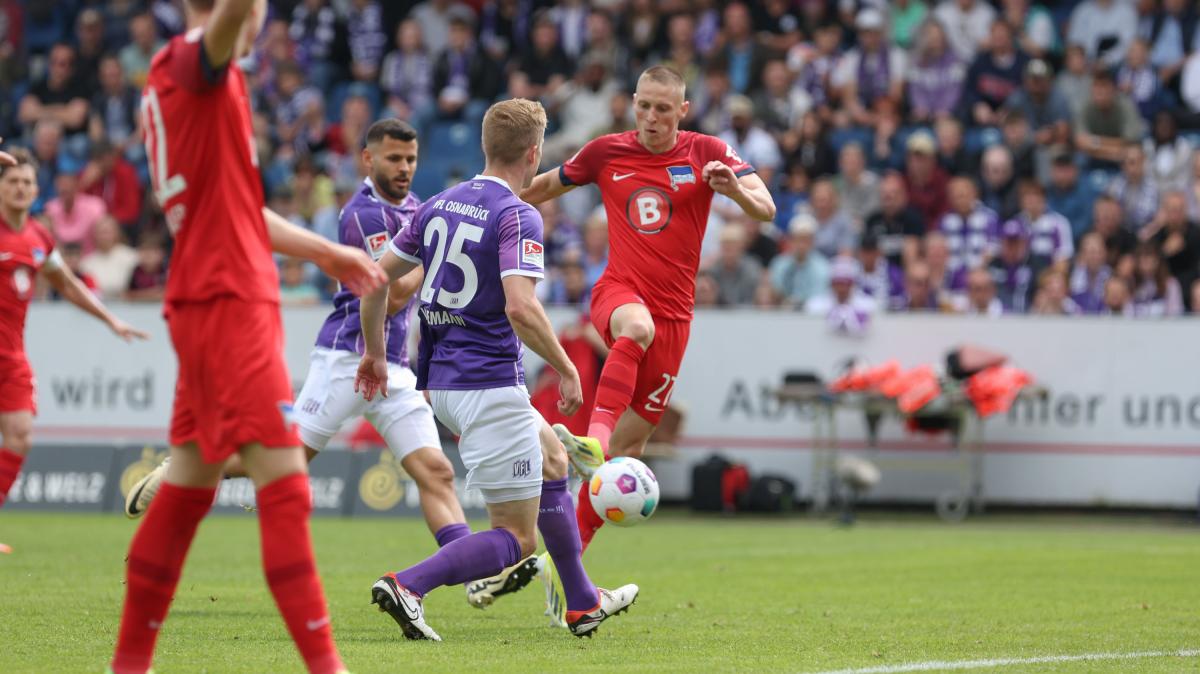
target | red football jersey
x=22, y=254
x=657, y=207
x=204, y=170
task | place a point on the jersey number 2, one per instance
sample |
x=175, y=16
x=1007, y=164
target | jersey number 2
x=661, y=397
x=166, y=185
x=450, y=299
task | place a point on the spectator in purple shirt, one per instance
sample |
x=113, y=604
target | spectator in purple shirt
x=1137, y=79
x=935, y=76
x=877, y=277
x=1155, y=292
x=816, y=68
x=407, y=77
x=1050, y=241
x=368, y=41
x=870, y=76
x=945, y=280
x=1014, y=277
x=1089, y=275
x=1135, y=189
x=321, y=43
x=971, y=229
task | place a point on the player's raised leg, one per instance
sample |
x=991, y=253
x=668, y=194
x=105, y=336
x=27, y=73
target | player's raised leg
x=628, y=439
x=628, y=326
x=632, y=331
x=16, y=429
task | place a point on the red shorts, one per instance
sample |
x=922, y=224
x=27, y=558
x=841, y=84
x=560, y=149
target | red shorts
x=233, y=387
x=660, y=368
x=18, y=388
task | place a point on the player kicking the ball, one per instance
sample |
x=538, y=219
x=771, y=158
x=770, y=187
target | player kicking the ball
x=481, y=248
x=382, y=207
x=657, y=183
x=26, y=249
x=233, y=393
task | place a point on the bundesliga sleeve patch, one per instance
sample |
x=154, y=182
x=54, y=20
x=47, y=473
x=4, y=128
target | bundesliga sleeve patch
x=532, y=252
x=377, y=244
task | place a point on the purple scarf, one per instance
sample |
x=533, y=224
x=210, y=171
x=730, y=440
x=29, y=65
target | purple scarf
x=873, y=76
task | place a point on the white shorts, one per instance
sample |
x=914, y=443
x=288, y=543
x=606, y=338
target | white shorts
x=499, y=440
x=328, y=401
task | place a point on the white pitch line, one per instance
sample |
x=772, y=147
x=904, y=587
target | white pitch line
x=1005, y=662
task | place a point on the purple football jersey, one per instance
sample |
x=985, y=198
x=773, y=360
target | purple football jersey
x=468, y=238
x=971, y=239
x=369, y=222
x=1049, y=237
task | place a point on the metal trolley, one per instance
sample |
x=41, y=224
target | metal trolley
x=963, y=461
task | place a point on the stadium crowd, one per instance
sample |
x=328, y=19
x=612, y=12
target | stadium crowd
x=956, y=156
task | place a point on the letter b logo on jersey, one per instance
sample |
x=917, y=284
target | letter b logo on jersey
x=648, y=210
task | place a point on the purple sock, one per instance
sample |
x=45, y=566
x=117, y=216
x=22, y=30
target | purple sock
x=560, y=533
x=452, y=532
x=478, y=555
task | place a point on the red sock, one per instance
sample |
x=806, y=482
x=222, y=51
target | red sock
x=10, y=466
x=284, y=507
x=585, y=515
x=615, y=390
x=156, y=557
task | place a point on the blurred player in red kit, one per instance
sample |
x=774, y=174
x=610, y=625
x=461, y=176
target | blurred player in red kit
x=26, y=249
x=657, y=184
x=233, y=392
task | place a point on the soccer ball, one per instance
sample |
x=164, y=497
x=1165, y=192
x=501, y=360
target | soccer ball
x=624, y=491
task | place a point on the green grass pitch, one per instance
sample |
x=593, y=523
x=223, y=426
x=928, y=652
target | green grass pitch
x=794, y=595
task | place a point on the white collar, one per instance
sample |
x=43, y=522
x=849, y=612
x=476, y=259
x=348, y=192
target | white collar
x=498, y=181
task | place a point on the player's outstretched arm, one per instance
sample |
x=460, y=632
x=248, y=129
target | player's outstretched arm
x=545, y=187
x=403, y=288
x=63, y=280
x=352, y=267
x=223, y=30
x=749, y=191
x=533, y=328
x=372, y=370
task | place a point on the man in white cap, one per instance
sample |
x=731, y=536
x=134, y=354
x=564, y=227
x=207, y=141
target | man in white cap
x=871, y=75
x=801, y=273
x=846, y=309
x=749, y=140
x=967, y=25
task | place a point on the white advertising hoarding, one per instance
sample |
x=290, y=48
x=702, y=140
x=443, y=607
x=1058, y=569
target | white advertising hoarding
x=1121, y=425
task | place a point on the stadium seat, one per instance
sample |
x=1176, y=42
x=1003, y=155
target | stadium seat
x=976, y=139
x=448, y=149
